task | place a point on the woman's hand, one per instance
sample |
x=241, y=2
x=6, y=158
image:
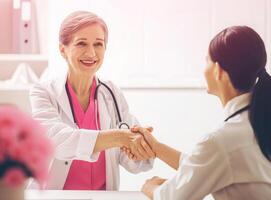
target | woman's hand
x=147, y=134
x=136, y=147
x=165, y=153
x=151, y=184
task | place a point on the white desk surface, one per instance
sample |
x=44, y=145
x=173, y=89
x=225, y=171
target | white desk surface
x=82, y=195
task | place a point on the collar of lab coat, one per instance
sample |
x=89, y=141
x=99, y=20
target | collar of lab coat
x=236, y=104
x=63, y=100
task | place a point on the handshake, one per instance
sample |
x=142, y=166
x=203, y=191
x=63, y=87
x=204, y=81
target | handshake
x=138, y=143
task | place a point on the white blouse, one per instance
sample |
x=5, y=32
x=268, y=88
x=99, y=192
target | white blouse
x=226, y=163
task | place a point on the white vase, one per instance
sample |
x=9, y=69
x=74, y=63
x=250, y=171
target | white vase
x=11, y=193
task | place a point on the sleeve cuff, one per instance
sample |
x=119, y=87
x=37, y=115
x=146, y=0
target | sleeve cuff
x=156, y=193
x=182, y=157
x=86, y=145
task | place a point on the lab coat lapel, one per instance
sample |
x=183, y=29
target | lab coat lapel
x=104, y=104
x=62, y=97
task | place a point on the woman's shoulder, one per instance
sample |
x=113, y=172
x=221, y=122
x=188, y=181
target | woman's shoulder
x=109, y=83
x=233, y=136
x=117, y=92
x=52, y=82
x=113, y=86
x=42, y=84
x=49, y=86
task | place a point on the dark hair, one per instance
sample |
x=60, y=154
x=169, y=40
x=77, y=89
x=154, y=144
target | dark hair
x=240, y=51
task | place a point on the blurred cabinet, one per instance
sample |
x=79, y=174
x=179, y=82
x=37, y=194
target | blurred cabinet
x=16, y=96
x=17, y=93
x=9, y=63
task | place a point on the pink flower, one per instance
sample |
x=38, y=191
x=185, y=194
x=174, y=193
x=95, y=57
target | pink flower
x=14, y=177
x=2, y=157
x=8, y=135
x=19, y=153
x=23, y=140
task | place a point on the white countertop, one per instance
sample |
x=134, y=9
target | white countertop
x=82, y=195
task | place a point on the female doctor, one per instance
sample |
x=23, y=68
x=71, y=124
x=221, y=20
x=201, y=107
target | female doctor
x=86, y=117
x=234, y=161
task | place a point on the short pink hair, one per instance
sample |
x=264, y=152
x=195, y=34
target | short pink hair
x=78, y=20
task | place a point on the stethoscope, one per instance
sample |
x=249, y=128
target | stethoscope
x=120, y=124
x=237, y=112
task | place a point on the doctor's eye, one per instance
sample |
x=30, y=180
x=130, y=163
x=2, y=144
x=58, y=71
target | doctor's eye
x=98, y=44
x=81, y=44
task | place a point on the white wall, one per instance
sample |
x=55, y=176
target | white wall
x=161, y=43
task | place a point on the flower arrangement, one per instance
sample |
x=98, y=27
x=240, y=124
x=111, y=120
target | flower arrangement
x=25, y=150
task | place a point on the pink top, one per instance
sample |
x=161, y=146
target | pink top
x=85, y=175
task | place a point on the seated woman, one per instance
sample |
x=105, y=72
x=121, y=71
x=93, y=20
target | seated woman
x=83, y=115
x=234, y=161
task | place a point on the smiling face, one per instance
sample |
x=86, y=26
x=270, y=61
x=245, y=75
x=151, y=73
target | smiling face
x=85, y=52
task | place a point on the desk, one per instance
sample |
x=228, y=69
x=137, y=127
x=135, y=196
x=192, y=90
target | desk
x=82, y=195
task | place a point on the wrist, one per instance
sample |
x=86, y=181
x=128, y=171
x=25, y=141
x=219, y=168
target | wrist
x=110, y=138
x=120, y=138
x=155, y=147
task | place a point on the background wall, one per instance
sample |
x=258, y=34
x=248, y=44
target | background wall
x=161, y=43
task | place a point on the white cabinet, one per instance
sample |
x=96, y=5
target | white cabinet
x=16, y=93
x=16, y=96
x=9, y=63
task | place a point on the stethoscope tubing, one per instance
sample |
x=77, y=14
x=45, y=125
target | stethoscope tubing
x=121, y=124
x=100, y=83
x=237, y=112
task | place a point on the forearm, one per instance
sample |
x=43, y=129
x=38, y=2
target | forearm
x=168, y=155
x=107, y=139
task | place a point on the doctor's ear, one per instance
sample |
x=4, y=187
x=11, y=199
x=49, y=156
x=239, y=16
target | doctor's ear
x=62, y=50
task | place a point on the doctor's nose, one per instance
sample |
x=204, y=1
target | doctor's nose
x=91, y=52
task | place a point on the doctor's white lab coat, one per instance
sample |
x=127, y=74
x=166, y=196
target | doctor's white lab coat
x=50, y=106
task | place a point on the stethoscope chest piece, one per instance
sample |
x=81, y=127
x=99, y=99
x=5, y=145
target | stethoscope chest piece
x=123, y=125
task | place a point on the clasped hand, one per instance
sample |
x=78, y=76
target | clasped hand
x=139, y=145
